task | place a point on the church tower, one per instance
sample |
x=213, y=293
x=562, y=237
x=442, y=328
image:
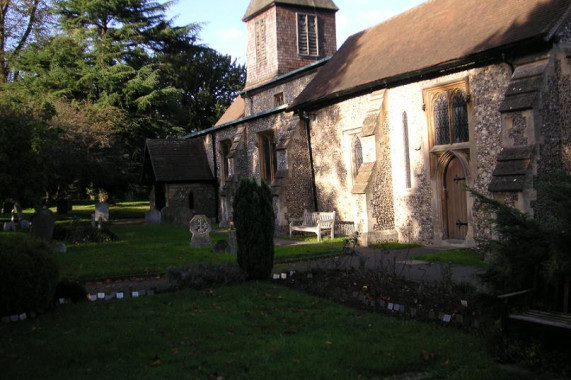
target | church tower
x=286, y=35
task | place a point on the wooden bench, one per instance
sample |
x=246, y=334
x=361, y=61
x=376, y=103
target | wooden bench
x=549, y=321
x=315, y=222
x=546, y=321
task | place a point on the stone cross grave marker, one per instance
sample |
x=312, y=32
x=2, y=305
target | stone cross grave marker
x=43, y=224
x=200, y=229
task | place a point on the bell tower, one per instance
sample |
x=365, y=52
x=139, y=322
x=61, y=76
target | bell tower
x=286, y=35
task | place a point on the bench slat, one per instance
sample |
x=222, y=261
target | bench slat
x=559, y=320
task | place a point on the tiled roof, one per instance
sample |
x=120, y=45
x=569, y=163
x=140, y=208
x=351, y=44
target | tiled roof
x=430, y=36
x=177, y=160
x=234, y=112
x=257, y=6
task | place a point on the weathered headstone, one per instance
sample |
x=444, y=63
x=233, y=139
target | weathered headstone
x=9, y=227
x=43, y=223
x=232, y=243
x=24, y=224
x=176, y=216
x=59, y=247
x=200, y=229
x=101, y=212
x=153, y=216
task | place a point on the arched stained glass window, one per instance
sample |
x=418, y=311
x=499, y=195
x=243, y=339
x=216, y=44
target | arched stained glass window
x=460, y=117
x=441, y=120
x=357, y=155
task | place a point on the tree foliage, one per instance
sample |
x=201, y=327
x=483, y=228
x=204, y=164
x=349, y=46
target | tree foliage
x=115, y=73
x=254, y=221
x=21, y=21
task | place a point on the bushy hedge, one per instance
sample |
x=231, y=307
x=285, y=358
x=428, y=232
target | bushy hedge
x=254, y=222
x=28, y=274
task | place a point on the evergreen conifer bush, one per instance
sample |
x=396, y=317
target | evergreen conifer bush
x=28, y=275
x=531, y=251
x=254, y=222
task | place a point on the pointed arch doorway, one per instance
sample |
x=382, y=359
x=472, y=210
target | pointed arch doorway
x=454, y=205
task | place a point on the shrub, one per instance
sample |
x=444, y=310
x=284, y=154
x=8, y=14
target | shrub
x=77, y=233
x=28, y=275
x=531, y=251
x=205, y=276
x=254, y=222
x=72, y=290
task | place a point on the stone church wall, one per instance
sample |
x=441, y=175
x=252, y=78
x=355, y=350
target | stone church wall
x=415, y=209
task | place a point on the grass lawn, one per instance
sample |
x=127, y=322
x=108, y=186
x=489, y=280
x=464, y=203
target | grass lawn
x=152, y=249
x=463, y=257
x=251, y=331
x=394, y=245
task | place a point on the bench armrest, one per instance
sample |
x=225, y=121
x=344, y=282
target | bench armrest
x=515, y=294
x=293, y=221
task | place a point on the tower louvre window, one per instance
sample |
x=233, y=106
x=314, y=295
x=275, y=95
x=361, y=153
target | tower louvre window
x=260, y=40
x=307, y=43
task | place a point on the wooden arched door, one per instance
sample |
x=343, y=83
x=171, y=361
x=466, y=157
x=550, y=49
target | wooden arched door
x=455, y=209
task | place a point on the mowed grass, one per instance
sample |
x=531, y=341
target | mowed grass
x=462, y=257
x=143, y=249
x=250, y=331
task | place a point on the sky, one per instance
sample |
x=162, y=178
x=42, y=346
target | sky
x=224, y=30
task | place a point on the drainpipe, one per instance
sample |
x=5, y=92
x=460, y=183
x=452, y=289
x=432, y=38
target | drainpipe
x=217, y=183
x=303, y=116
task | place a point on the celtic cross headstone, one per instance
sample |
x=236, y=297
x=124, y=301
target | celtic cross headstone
x=200, y=229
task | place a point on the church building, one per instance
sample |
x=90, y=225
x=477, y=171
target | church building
x=390, y=130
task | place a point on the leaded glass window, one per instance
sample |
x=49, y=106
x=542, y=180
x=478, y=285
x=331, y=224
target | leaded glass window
x=441, y=120
x=460, y=117
x=357, y=155
x=450, y=113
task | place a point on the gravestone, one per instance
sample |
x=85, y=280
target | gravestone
x=176, y=216
x=232, y=243
x=24, y=224
x=101, y=212
x=59, y=247
x=153, y=216
x=9, y=227
x=200, y=229
x=43, y=224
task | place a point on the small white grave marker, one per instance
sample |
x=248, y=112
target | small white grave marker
x=92, y=297
x=62, y=301
x=120, y=295
x=391, y=306
x=23, y=317
x=276, y=276
x=14, y=318
x=447, y=318
x=135, y=294
x=464, y=303
x=291, y=273
x=284, y=276
x=100, y=295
